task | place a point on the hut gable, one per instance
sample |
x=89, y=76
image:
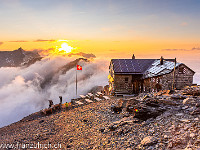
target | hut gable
x=156, y=69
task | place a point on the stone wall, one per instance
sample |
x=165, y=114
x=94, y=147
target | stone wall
x=123, y=83
x=183, y=77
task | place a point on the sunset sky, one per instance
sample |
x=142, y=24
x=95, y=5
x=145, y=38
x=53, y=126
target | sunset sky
x=106, y=28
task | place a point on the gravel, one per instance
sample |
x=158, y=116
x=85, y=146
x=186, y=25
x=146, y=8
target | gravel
x=96, y=126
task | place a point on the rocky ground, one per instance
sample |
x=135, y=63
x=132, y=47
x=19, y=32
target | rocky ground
x=148, y=121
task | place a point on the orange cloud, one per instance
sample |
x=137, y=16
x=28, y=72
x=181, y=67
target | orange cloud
x=192, y=49
x=19, y=41
x=83, y=54
x=45, y=52
x=1, y=43
x=42, y=40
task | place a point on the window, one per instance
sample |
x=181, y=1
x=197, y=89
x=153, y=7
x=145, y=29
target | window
x=126, y=79
x=157, y=80
x=152, y=79
x=184, y=70
x=181, y=70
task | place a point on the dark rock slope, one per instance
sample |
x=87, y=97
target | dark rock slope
x=18, y=58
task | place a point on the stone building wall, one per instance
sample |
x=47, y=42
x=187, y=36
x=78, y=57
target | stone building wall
x=123, y=83
x=183, y=77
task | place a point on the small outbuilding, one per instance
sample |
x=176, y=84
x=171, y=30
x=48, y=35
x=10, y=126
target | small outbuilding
x=133, y=76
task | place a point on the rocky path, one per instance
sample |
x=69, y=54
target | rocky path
x=96, y=126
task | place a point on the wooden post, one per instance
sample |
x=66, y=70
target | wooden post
x=174, y=74
x=60, y=99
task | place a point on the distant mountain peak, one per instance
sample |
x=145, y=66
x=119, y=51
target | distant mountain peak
x=20, y=49
x=18, y=58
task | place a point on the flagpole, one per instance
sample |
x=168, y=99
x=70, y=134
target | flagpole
x=76, y=81
x=77, y=68
x=174, y=74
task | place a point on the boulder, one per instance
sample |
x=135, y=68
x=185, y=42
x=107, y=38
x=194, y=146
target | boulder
x=145, y=97
x=144, y=112
x=130, y=109
x=112, y=127
x=198, y=105
x=189, y=101
x=120, y=102
x=56, y=107
x=178, y=96
x=179, y=114
x=132, y=101
x=152, y=103
x=47, y=111
x=169, y=91
x=196, y=111
x=185, y=120
x=149, y=140
x=167, y=102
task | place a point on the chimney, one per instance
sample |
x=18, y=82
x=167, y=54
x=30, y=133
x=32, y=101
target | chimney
x=133, y=57
x=161, y=60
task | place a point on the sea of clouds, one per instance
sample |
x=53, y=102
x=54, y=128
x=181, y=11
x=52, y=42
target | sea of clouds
x=21, y=92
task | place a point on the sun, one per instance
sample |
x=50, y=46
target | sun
x=65, y=47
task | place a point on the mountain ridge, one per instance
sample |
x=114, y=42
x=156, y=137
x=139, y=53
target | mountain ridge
x=18, y=58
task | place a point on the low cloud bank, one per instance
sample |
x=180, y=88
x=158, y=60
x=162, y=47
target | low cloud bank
x=21, y=92
x=192, y=49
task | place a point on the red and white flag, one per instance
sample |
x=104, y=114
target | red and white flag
x=79, y=67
